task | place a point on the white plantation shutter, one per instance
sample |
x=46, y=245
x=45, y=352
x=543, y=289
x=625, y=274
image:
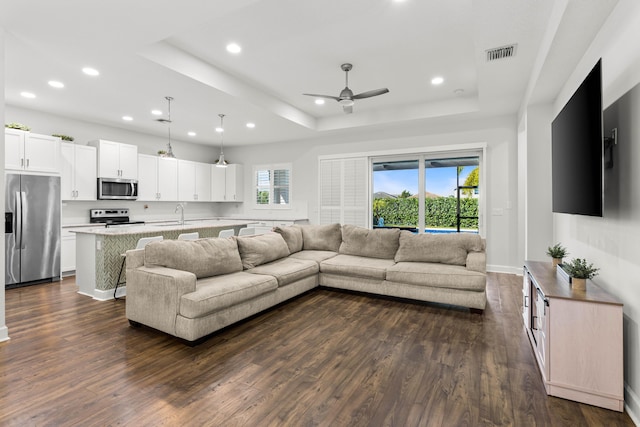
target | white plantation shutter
x=344, y=191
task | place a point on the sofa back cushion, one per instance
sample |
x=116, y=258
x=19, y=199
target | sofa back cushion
x=291, y=234
x=361, y=241
x=321, y=237
x=261, y=248
x=203, y=257
x=441, y=248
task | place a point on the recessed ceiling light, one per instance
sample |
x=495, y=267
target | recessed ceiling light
x=319, y=101
x=219, y=129
x=28, y=95
x=437, y=80
x=156, y=112
x=234, y=48
x=251, y=125
x=191, y=133
x=90, y=71
x=127, y=118
x=56, y=84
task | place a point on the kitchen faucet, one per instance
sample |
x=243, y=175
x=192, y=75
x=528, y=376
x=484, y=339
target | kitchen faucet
x=181, y=208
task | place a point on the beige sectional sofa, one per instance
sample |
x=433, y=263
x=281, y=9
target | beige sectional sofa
x=193, y=288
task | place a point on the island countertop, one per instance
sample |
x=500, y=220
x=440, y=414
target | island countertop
x=161, y=227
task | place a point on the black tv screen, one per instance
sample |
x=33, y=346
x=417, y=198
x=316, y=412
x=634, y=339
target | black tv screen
x=577, y=150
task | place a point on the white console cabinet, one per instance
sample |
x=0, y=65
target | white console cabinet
x=576, y=337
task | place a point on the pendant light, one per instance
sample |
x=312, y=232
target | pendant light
x=169, y=152
x=221, y=162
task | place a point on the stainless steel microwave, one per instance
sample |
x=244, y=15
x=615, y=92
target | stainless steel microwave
x=117, y=189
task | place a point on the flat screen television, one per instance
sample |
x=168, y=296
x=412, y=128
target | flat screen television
x=577, y=150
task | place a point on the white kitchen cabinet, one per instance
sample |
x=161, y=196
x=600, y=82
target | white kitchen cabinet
x=194, y=181
x=78, y=172
x=157, y=178
x=67, y=251
x=226, y=183
x=116, y=160
x=31, y=152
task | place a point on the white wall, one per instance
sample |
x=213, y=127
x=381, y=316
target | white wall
x=501, y=173
x=4, y=333
x=611, y=242
x=538, y=217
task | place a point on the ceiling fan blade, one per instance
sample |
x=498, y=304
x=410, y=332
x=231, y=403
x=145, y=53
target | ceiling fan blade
x=370, y=93
x=348, y=109
x=323, y=96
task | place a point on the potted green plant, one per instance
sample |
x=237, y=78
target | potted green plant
x=580, y=270
x=557, y=252
x=64, y=137
x=18, y=126
x=162, y=153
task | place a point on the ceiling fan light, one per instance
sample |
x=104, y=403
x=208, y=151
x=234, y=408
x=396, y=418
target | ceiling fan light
x=346, y=102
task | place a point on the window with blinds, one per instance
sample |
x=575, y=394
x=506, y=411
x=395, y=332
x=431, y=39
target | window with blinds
x=272, y=186
x=344, y=191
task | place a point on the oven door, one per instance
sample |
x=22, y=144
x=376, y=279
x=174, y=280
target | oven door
x=117, y=189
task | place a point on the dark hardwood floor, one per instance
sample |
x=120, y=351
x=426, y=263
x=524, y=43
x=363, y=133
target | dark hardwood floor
x=327, y=358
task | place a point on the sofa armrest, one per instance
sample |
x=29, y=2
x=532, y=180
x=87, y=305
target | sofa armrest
x=477, y=261
x=153, y=295
x=135, y=258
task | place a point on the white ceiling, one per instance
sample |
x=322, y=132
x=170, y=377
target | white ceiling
x=146, y=50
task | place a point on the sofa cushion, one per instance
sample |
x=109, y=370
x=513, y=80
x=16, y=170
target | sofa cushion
x=437, y=275
x=356, y=266
x=261, y=248
x=361, y=241
x=287, y=270
x=217, y=293
x=440, y=248
x=321, y=237
x=311, y=255
x=292, y=235
x=203, y=257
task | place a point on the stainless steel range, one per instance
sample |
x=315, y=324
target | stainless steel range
x=111, y=217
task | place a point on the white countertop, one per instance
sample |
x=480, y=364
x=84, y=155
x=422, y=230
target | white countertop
x=157, y=226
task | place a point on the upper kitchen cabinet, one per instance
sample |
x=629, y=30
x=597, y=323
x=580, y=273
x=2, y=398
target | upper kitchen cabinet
x=78, y=177
x=226, y=183
x=116, y=160
x=157, y=178
x=26, y=151
x=194, y=181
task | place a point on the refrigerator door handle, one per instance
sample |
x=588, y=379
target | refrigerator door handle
x=17, y=224
x=23, y=206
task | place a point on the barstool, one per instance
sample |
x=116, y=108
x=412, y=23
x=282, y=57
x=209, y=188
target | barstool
x=189, y=236
x=226, y=233
x=247, y=231
x=141, y=244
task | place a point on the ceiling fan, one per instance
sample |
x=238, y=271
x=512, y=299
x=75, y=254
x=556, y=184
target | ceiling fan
x=347, y=97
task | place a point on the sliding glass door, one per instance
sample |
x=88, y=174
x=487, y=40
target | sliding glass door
x=426, y=193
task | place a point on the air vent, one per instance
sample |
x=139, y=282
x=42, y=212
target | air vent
x=501, y=52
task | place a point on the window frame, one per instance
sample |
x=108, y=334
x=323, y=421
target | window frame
x=255, y=187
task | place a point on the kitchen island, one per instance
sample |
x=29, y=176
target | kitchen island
x=99, y=250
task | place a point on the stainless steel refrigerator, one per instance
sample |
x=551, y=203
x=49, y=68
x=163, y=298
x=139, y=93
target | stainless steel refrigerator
x=32, y=229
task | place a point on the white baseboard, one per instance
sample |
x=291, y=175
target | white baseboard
x=632, y=404
x=504, y=269
x=106, y=295
x=4, y=334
